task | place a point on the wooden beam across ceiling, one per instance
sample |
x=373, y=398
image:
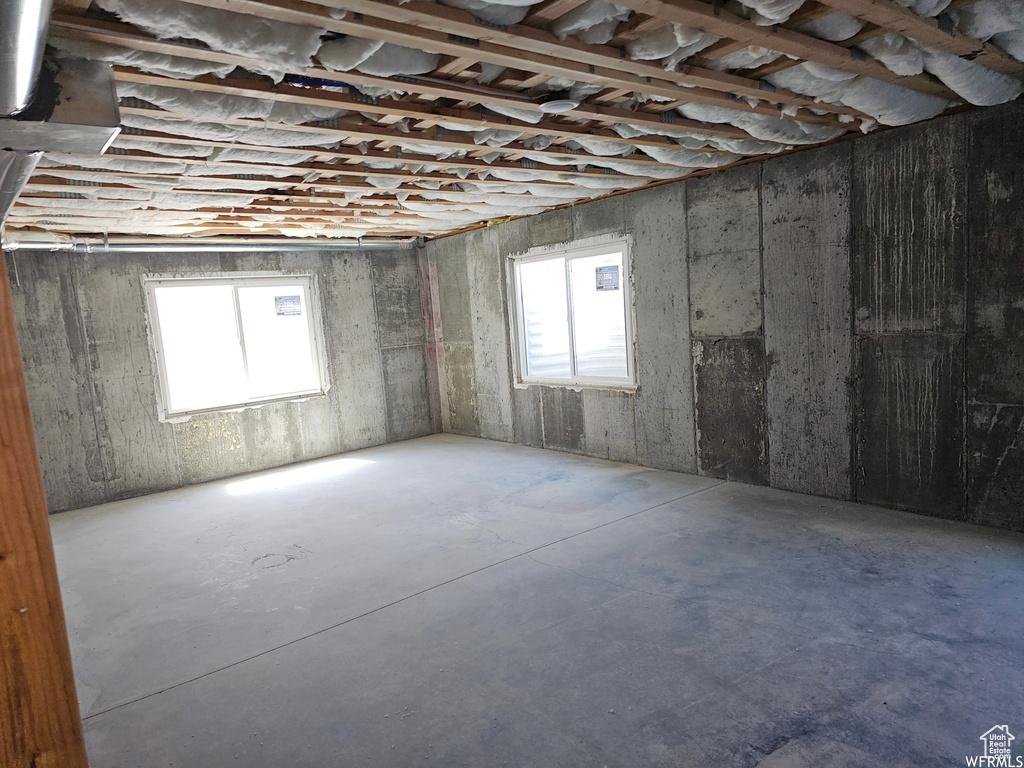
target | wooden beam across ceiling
x=924, y=29
x=326, y=170
x=370, y=155
x=473, y=119
x=233, y=186
x=124, y=36
x=723, y=23
x=308, y=192
x=444, y=140
x=693, y=13
x=549, y=10
x=451, y=31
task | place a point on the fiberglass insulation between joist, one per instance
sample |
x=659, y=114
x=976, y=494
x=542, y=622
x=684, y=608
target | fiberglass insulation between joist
x=763, y=127
x=205, y=105
x=279, y=47
x=154, y=63
x=162, y=148
x=374, y=57
x=887, y=103
x=835, y=27
x=593, y=22
x=985, y=18
x=221, y=132
x=500, y=12
x=972, y=82
x=671, y=43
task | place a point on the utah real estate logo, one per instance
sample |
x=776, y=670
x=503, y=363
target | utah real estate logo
x=998, y=750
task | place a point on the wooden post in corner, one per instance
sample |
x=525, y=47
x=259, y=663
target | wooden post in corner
x=40, y=725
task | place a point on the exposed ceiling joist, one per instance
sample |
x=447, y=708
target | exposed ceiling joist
x=369, y=132
x=391, y=107
x=924, y=29
x=549, y=11
x=127, y=139
x=232, y=186
x=385, y=135
x=450, y=31
x=92, y=31
x=719, y=21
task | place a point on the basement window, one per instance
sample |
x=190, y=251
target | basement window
x=225, y=343
x=572, y=316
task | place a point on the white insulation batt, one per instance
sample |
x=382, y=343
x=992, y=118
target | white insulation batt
x=989, y=17
x=671, y=43
x=887, y=103
x=746, y=58
x=220, y=132
x=925, y=7
x=219, y=106
x=1011, y=42
x=500, y=13
x=162, y=148
x=767, y=12
x=592, y=22
x=231, y=154
x=154, y=63
x=762, y=127
x=835, y=27
x=279, y=47
x=374, y=57
x=974, y=83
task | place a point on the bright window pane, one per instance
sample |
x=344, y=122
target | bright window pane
x=598, y=316
x=545, y=318
x=275, y=324
x=201, y=351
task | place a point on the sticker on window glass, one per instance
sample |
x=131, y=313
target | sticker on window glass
x=288, y=305
x=608, y=278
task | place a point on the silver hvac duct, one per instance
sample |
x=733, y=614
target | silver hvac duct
x=23, y=29
x=15, y=169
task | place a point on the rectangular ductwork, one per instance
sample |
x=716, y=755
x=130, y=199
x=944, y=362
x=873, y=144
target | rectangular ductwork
x=15, y=170
x=74, y=109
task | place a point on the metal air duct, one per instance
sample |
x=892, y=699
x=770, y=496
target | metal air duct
x=23, y=29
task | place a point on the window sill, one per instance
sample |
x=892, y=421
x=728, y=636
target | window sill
x=576, y=385
x=183, y=416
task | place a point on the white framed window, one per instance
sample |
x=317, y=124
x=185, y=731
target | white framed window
x=228, y=342
x=571, y=315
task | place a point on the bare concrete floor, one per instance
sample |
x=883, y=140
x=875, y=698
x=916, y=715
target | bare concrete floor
x=452, y=601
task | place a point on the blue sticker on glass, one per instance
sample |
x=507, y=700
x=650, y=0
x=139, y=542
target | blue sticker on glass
x=288, y=305
x=608, y=278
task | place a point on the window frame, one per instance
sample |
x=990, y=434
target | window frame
x=597, y=246
x=314, y=323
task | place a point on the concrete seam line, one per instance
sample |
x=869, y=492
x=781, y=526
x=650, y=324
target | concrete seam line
x=423, y=591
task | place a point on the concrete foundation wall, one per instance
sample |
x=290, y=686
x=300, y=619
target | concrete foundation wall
x=845, y=321
x=92, y=389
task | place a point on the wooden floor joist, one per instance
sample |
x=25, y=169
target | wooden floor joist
x=924, y=29
x=451, y=31
x=93, y=31
x=403, y=109
x=438, y=111
x=450, y=139
x=721, y=22
x=356, y=157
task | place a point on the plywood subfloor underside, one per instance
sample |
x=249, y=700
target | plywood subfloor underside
x=452, y=601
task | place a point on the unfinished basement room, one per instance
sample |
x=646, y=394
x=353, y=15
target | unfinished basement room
x=512, y=383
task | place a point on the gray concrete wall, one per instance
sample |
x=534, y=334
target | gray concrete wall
x=845, y=321
x=92, y=389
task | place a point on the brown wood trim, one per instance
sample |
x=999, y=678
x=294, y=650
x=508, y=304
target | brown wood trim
x=40, y=725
